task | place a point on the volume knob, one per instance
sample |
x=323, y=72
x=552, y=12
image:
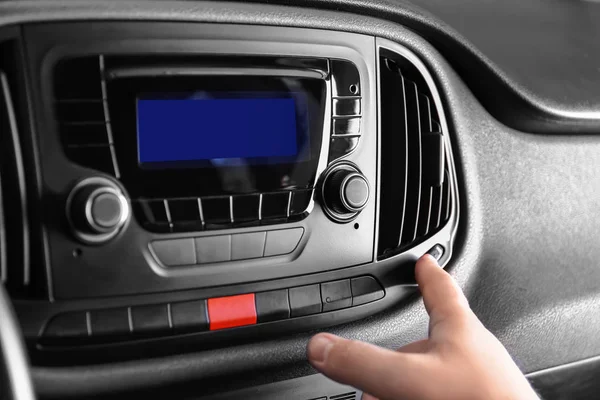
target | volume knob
x=345, y=192
x=97, y=210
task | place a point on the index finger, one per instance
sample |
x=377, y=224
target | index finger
x=442, y=297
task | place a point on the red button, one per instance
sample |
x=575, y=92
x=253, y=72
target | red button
x=231, y=311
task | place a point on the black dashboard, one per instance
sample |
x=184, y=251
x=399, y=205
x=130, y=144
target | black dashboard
x=137, y=267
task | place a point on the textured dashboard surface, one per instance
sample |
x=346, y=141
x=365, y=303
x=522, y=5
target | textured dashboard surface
x=527, y=255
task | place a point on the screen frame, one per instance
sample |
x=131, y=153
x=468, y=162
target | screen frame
x=214, y=181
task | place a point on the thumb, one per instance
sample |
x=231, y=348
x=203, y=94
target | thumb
x=377, y=371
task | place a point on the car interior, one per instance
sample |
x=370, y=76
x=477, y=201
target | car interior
x=190, y=190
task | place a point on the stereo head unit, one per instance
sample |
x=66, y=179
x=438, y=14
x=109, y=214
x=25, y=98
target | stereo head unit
x=210, y=142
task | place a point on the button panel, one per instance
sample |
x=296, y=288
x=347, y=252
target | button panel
x=212, y=213
x=214, y=313
x=214, y=249
x=346, y=109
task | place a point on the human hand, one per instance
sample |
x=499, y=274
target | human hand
x=461, y=359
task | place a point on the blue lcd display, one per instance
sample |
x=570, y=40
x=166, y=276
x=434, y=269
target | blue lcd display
x=217, y=129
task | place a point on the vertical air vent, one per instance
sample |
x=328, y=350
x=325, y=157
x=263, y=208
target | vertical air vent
x=14, y=223
x=415, y=197
x=82, y=113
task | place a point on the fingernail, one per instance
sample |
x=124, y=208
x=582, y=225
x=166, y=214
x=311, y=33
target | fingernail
x=319, y=347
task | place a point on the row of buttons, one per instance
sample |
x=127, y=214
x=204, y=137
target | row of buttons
x=347, y=109
x=215, y=313
x=194, y=214
x=211, y=249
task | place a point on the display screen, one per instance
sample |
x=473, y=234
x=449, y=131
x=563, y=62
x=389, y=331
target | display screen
x=221, y=129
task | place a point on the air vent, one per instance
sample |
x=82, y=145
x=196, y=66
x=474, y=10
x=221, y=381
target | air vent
x=14, y=228
x=415, y=197
x=82, y=113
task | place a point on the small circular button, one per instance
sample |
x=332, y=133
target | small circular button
x=356, y=191
x=345, y=192
x=106, y=210
x=97, y=210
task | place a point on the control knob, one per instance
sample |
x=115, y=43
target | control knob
x=97, y=210
x=345, y=192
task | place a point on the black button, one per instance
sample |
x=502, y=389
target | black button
x=69, y=325
x=346, y=78
x=216, y=210
x=272, y=306
x=436, y=251
x=190, y=316
x=346, y=126
x=365, y=289
x=300, y=201
x=336, y=295
x=245, y=208
x=153, y=318
x=305, y=300
x=346, y=107
x=341, y=146
x=175, y=252
x=275, y=205
x=185, y=214
x=110, y=322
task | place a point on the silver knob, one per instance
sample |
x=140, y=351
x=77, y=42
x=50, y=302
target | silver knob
x=345, y=192
x=97, y=210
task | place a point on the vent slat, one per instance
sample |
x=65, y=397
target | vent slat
x=425, y=110
x=415, y=189
x=414, y=165
x=425, y=211
x=436, y=209
x=447, y=198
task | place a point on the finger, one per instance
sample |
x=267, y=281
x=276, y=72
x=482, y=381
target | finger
x=420, y=346
x=367, y=396
x=382, y=373
x=442, y=297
